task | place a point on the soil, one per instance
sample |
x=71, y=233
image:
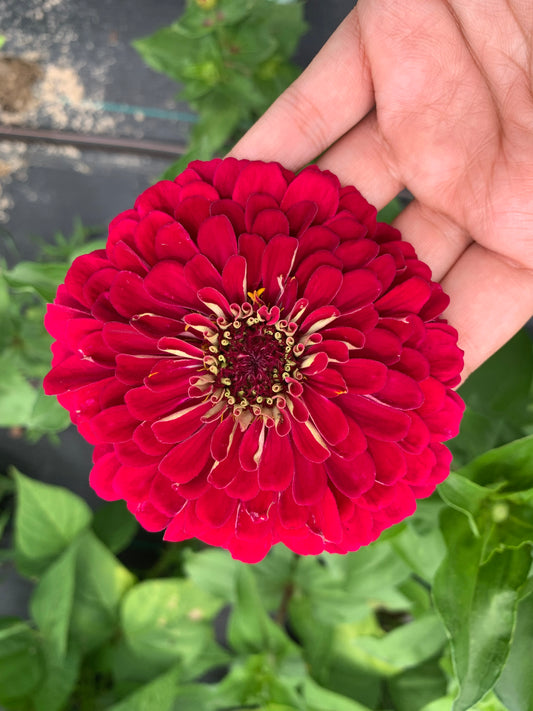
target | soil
x=17, y=79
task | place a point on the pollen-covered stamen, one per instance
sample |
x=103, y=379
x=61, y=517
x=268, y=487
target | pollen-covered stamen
x=253, y=360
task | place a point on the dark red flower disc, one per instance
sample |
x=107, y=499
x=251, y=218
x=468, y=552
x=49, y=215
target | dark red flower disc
x=257, y=360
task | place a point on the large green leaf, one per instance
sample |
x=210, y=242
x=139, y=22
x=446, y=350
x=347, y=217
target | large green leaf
x=158, y=694
x=477, y=603
x=40, y=277
x=17, y=395
x=21, y=660
x=406, y=646
x=507, y=468
x=115, y=526
x=101, y=583
x=165, y=621
x=47, y=519
x=515, y=685
x=214, y=571
x=417, y=686
x=52, y=601
x=497, y=396
x=59, y=682
x=250, y=629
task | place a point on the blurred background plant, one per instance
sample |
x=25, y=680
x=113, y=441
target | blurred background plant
x=232, y=59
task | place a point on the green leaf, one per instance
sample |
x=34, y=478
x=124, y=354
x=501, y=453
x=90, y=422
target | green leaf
x=158, y=694
x=115, y=526
x=406, y=646
x=420, y=545
x=52, y=601
x=477, y=603
x=214, y=571
x=59, y=682
x=319, y=699
x=501, y=386
x=47, y=519
x=497, y=397
x=285, y=22
x=17, y=395
x=47, y=415
x=250, y=629
x=42, y=278
x=465, y=496
x=171, y=52
x=507, y=468
x=21, y=661
x=418, y=686
x=515, y=685
x=101, y=582
x=390, y=212
x=258, y=683
x=165, y=621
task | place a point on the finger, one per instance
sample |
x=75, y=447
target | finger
x=490, y=300
x=361, y=158
x=326, y=100
x=438, y=240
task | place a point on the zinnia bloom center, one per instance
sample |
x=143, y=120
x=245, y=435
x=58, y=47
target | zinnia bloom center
x=252, y=357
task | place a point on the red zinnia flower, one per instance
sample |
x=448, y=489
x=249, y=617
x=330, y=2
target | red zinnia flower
x=257, y=360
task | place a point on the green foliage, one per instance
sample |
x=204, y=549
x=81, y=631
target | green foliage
x=232, y=59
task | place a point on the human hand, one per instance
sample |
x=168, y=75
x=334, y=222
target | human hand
x=435, y=96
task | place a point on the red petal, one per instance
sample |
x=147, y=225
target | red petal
x=165, y=497
x=329, y=383
x=222, y=438
x=276, y=265
x=123, y=338
x=327, y=416
x=354, y=476
x=180, y=425
x=214, y=508
x=73, y=373
x=114, y=424
x=311, y=184
x=308, y=441
x=259, y=177
x=276, y=467
x=187, y=459
x=216, y=239
x=251, y=247
x=309, y=483
x=363, y=376
x=200, y=273
x=133, y=483
x=359, y=288
x=269, y=223
x=400, y=391
x=174, y=242
x=145, y=404
x=166, y=282
x=102, y=476
x=232, y=211
x=164, y=196
x=389, y=461
x=322, y=286
x=234, y=279
x=376, y=420
x=251, y=446
x=356, y=254
x=409, y=296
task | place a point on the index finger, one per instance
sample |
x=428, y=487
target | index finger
x=328, y=98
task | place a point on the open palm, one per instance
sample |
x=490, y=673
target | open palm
x=435, y=96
